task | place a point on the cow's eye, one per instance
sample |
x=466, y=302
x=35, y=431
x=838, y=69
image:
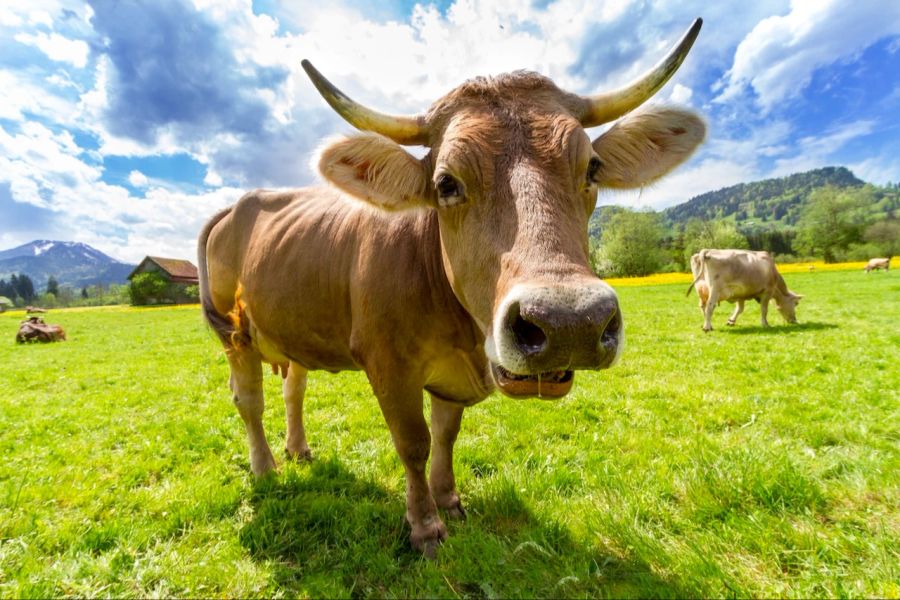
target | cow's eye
x=449, y=191
x=593, y=169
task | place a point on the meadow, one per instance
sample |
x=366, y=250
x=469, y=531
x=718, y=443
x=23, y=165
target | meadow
x=745, y=462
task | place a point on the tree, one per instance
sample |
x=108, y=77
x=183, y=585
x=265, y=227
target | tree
x=52, y=286
x=631, y=244
x=84, y=292
x=699, y=234
x=831, y=221
x=147, y=288
x=7, y=290
x=24, y=287
x=885, y=235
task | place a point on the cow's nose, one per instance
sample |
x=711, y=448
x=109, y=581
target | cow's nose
x=549, y=332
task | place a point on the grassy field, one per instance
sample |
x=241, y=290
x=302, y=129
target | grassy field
x=744, y=462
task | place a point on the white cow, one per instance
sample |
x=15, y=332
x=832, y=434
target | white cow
x=738, y=275
x=878, y=263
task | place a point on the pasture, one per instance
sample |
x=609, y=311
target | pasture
x=743, y=462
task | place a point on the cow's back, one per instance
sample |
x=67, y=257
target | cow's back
x=740, y=274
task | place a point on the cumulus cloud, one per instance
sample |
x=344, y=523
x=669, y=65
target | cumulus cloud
x=138, y=179
x=57, y=47
x=778, y=57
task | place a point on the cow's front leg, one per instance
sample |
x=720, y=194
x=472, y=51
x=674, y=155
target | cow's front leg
x=247, y=390
x=445, y=421
x=401, y=405
x=737, y=312
x=294, y=388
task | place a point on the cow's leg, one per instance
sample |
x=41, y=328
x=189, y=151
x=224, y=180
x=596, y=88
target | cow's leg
x=711, y=303
x=763, y=310
x=737, y=312
x=402, y=406
x=445, y=420
x=247, y=390
x=294, y=387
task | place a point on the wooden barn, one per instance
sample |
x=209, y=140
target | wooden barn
x=180, y=274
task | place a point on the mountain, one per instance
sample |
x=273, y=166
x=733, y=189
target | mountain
x=72, y=264
x=769, y=204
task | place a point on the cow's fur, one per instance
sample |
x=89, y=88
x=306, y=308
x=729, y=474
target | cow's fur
x=736, y=276
x=380, y=275
x=878, y=263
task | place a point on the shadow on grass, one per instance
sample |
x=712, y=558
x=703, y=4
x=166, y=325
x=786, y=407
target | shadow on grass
x=776, y=329
x=326, y=532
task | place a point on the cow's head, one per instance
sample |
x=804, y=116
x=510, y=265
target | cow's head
x=787, y=305
x=513, y=178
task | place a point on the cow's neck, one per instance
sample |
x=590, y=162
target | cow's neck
x=442, y=293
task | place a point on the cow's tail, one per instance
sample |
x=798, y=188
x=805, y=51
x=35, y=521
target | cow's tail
x=227, y=327
x=699, y=276
x=693, y=283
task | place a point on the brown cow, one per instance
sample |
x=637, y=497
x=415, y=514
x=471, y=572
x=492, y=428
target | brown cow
x=736, y=276
x=456, y=273
x=34, y=329
x=878, y=263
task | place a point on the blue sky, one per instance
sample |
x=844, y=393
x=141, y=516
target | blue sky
x=126, y=124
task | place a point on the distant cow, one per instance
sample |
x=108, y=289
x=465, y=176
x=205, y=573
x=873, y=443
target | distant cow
x=459, y=272
x=878, y=263
x=33, y=329
x=736, y=276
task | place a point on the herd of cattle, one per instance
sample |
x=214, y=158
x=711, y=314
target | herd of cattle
x=457, y=273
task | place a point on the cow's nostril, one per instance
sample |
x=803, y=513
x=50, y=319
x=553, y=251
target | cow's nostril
x=613, y=326
x=530, y=338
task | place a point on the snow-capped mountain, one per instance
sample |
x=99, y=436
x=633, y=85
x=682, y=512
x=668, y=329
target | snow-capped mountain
x=71, y=263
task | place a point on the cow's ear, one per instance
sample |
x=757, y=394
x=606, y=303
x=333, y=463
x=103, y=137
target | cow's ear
x=645, y=145
x=377, y=170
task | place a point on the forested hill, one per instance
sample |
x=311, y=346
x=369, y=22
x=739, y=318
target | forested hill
x=777, y=202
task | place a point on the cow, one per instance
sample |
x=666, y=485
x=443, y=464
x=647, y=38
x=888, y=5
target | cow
x=457, y=273
x=878, y=263
x=736, y=276
x=34, y=329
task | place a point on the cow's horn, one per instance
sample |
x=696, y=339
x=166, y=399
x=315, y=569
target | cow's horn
x=607, y=107
x=409, y=131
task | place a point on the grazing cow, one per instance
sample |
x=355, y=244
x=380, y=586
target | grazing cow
x=736, y=276
x=878, y=263
x=457, y=273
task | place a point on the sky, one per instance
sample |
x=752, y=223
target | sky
x=125, y=124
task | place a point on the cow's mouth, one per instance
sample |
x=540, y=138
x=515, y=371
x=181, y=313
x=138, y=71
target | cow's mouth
x=550, y=384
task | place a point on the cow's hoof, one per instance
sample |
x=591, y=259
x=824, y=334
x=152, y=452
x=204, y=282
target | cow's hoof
x=456, y=511
x=262, y=465
x=427, y=538
x=302, y=455
x=451, y=503
x=730, y=323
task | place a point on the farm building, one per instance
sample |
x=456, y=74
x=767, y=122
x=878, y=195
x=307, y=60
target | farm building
x=177, y=280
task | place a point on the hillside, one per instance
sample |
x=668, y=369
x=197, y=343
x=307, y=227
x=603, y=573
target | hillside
x=771, y=203
x=71, y=263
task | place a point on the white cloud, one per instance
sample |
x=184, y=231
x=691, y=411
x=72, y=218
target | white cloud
x=812, y=152
x=685, y=183
x=778, y=57
x=57, y=47
x=878, y=170
x=681, y=94
x=138, y=179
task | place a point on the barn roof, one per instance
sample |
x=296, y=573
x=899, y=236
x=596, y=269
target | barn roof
x=178, y=269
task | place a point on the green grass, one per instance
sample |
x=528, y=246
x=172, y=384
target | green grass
x=744, y=462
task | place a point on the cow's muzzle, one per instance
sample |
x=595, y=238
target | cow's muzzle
x=543, y=333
